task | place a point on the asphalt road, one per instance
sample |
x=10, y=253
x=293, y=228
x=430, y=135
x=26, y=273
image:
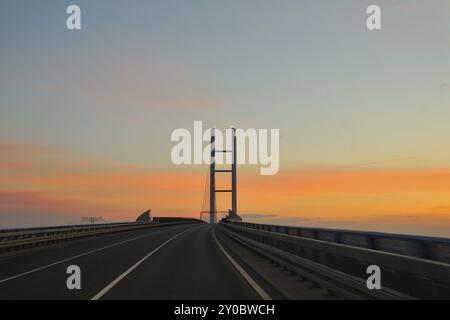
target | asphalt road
x=176, y=262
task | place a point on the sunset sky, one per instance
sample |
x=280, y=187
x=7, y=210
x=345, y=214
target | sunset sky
x=364, y=116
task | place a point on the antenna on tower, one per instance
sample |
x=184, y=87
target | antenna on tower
x=92, y=220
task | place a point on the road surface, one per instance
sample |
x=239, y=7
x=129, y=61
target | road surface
x=176, y=262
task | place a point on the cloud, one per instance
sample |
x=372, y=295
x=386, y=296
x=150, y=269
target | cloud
x=440, y=208
x=19, y=198
x=42, y=179
x=134, y=81
x=380, y=162
x=349, y=182
x=36, y=179
x=17, y=150
x=444, y=87
x=24, y=157
x=251, y=216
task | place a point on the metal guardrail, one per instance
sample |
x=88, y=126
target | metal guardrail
x=16, y=239
x=339, y=285
x=430, y=248
x=411, y=276
x=11, y=230
x=23, y=233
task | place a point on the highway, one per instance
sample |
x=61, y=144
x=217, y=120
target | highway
x=172, y=262
x=226, y=261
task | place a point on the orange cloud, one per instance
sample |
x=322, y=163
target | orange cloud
x=368, y=199
x=356, y=181
x=33, y=183
x=404, y=198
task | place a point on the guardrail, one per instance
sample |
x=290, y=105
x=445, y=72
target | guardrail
x=11, y=230
x=22, y=233
x=411, y=276
x=16, y=239
x=430, y=248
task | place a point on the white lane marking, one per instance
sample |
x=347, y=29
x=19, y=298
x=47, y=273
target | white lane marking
x=74, y=257
x=260, y=291
x=123, y=275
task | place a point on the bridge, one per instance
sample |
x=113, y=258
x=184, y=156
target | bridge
x=186, y=259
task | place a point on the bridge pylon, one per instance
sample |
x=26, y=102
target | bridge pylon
x=232, y=213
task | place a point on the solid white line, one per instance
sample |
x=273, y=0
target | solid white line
x=71, y=258
x=123, y=275
x=260, y=291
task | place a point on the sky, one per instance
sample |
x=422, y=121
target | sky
x=86, y=116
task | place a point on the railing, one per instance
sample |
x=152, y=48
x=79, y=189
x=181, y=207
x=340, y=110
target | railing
x=430, y=248
x=403, y=273
x=15, y=239
x=19, y=233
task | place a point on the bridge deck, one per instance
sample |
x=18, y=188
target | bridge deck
x=191, y=266
x=227, y=261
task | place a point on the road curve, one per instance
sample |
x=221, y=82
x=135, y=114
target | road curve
x=176, y=262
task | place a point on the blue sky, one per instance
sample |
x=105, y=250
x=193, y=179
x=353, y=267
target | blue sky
x=309, y=68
